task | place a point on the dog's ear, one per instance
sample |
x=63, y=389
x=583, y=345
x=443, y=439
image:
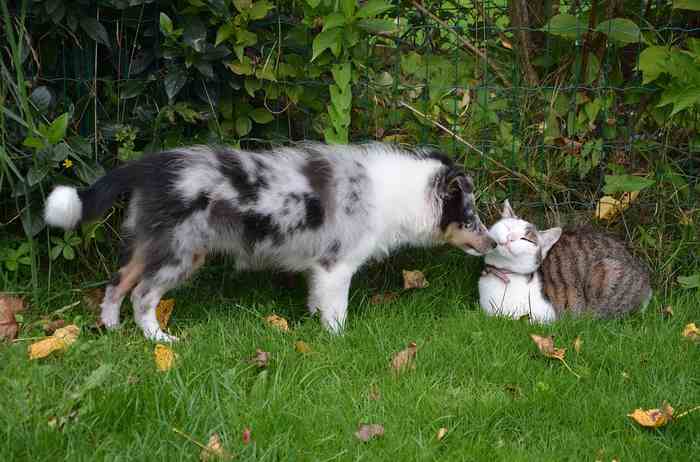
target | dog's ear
x=458, y=199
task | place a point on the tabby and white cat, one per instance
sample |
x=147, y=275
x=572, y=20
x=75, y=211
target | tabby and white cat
x=546, y=273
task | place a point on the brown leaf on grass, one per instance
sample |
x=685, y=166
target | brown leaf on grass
x=403, y=360
x=164, y=357
x=414, y=280
x=608, y=207
x=8, y=323
x=246, y=435
x=691, y=331
x=441, y=433
x=92, y=299
x=667, y=311
x=368, y=431
x=653, y=418
x=53, y=326
x=302, y=347
x=261, y=358
x=385, y=297
x=59, y=341
x=577, y=344
x=546, y=346
x=374, y=393
x=163, y=311
x=278, y=321
x=214, y=449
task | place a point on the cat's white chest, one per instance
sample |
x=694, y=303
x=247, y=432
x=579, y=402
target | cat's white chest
x=520, y=296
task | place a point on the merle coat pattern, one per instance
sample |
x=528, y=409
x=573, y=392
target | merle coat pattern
x=323, y=210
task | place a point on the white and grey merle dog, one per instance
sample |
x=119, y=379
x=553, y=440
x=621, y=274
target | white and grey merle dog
x=324, y=210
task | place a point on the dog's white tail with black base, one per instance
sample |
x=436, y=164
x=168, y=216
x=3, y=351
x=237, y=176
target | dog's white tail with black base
x=66, y=206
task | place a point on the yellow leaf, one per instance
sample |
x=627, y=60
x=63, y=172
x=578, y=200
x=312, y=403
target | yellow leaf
x=278, y=322
x=302, y=347
x=609, y=207
x=59, y=341
x=442, y=431
x=691, y=331
x=404, y=359
x=546, y=346
x=414, y=280
x=653, y=418
x=577, y=344
x=163, y=312
x=164, y=357
x=214, y=449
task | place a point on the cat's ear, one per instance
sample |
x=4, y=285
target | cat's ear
x=507, y=210
x=548, y=238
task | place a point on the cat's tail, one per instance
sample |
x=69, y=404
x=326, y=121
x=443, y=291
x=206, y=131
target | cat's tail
x=67, y=206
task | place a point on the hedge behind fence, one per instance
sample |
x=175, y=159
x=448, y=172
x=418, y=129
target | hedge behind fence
x=553, y=103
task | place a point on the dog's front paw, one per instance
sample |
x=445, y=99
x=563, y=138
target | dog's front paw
x=333, y=325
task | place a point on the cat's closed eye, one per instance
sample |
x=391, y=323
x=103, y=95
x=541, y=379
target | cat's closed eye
x=525, y=238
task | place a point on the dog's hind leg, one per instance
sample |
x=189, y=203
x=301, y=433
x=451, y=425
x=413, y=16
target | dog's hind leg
x=122, y=282
x=154, y=285
x=328, y=293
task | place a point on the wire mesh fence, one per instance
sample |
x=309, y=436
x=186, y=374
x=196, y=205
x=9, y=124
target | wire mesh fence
x=556, y=104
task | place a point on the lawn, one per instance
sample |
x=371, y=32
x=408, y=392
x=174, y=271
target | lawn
x=481, y=378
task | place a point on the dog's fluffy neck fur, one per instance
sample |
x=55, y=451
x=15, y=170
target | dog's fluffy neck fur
x=405, y=205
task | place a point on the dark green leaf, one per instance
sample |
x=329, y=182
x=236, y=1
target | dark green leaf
x=68, y=252
x=57, y=129
x=95, y=30
x=36, y=174
x=32, y=222
x=166, y=25
x=373, y=8
x=42, y=98
x=324, y=40
x=260, y=9
x=225, y=31
x=56, y=251
x=693, y=5
x=243, y=125
x=261, y=115
x=567, y=26
x=620, y=30
x=378, y=26
x=333, y=20
x=174, y=81
x=195, y=34
x=625, y=183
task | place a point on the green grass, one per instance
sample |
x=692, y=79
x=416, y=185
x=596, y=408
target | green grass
x=480, y=377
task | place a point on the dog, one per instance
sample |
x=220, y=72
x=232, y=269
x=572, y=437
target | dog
x=320, y=209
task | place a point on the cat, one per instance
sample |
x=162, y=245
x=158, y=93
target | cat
x=545, y=274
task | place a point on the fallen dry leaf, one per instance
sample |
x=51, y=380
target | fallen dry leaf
x=93, y=299
x=404, y=359
x=442, y=431
x=8, y=324
x=164, y=357
x=546, y=346
x=653, y=418
x=414, y=280
x=608, y=207
x=667, y=312
x=52, y=326
x=214, y=449
x=386, y=297
x=368, y=431
x=577, y=344
x=374, y=393
x=691, y=331
x=302, y=347
x=260, y=359
x=246, y=435
x=163, y=311
x=278, y=321
x=60, y=340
